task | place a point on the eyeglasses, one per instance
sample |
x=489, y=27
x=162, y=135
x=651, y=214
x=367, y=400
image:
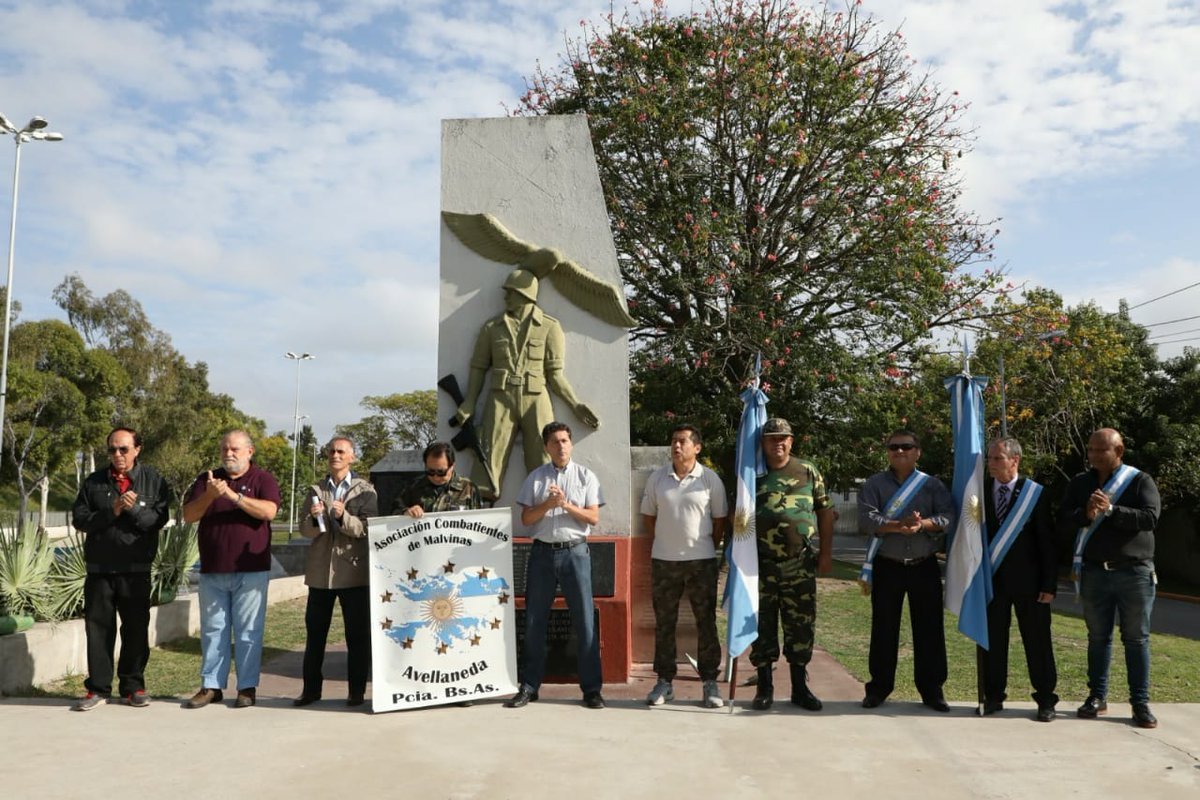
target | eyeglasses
x=123, y=449
x=437, y=473
x=902, y=446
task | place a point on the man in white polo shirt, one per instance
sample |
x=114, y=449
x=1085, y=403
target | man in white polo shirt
x=560, y=502
x=685, y=510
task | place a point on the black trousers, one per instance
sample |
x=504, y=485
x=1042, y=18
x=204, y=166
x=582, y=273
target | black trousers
x=1033, y=620
x=922, y=585
x=356, y=616
x=105, y=596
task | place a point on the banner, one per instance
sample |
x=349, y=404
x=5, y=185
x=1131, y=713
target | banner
x=443, y=628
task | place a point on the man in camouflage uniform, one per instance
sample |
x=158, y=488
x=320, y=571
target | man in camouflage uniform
x=439, y=489
x=791, y=506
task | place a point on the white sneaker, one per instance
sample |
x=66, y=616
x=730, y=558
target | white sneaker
x=712, y=695
x=661, y=693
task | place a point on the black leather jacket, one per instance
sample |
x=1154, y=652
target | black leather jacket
x=125, y=543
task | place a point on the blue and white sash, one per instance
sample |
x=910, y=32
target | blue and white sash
x=1014, y=523
x=1116, y=484
x=895, y=507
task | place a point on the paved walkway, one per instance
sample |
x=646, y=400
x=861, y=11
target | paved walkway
x=555, y=748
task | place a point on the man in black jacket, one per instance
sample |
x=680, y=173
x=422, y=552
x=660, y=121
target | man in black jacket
x=121, y=508
x=1017, y=515
x=1113, y=509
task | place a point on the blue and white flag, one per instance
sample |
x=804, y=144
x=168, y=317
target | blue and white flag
x=968, y=571
x=741, y=588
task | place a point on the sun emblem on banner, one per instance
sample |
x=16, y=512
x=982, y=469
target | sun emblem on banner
x=442, y=611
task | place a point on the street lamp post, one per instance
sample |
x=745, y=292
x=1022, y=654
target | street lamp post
x=33, y=132
x=295, y=435
x=1003, y=395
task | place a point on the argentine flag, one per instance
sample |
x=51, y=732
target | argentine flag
x=968, y=571
x=741, y=587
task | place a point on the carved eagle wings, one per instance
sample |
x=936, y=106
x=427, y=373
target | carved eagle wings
x=484, y=234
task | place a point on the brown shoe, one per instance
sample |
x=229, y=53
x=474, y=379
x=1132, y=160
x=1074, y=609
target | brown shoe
x=245, y=698
x=203, y=697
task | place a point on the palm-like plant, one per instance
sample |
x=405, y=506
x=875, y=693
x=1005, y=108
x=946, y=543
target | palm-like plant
x=25, y=563
x=178, y=551
x=67, y=578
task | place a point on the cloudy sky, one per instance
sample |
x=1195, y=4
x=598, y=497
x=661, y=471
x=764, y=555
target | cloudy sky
x=256, y=172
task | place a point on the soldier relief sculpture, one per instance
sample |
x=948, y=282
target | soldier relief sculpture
x=523, y=348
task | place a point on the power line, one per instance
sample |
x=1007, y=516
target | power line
x=1178, y=341
x=1176, y=333
x=1171, y=322
x=1168, y=294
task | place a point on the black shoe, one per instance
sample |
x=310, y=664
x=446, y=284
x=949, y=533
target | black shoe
x=1092, y=707
x=1142, y=716
x=872, y=701
x=356, y=699
x=1046, y=714
x=764, y=695
x=522, y=698
x=246, y=698
x=203, y=697
x=991, y=707
x=801, y=695
x=305, y=700
x=937, y=704
x=593, y=700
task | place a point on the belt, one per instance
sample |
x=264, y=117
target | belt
x=908, y=562
x=558, y=545
x=1118, y=563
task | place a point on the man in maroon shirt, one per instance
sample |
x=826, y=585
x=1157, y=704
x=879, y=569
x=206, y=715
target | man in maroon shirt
x=234, y=506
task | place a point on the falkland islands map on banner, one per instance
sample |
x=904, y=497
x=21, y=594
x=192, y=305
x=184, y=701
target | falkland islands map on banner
x=442, y=621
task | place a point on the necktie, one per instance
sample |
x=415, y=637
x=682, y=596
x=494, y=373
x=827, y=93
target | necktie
x=1001, y=503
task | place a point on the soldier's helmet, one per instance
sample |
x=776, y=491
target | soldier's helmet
x=524, y=283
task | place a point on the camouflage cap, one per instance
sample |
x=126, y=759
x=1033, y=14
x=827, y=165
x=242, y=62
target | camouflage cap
x=777, y=426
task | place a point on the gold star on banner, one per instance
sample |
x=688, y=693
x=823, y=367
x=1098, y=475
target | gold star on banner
x=412, y=574
x=483, y=573
x=448, y=566
x=407, y=643
x=503, y=598
x=495, y=623
x=442, y=648
x=386, y=597
x=386, y=623
x=475, y=640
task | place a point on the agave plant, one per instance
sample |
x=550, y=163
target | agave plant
x=178, y=551
x=25, y=563
x=67, y=578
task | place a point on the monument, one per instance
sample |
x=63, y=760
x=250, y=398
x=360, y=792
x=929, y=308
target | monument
x=533, y=326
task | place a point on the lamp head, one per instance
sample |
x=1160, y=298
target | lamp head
x=36, y=124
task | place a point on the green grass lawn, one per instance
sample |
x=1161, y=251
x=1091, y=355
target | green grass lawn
x=174, y=668
x=844, y=629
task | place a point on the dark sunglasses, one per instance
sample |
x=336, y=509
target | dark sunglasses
x=904, y=446
x=437, y=473
x=123, y=449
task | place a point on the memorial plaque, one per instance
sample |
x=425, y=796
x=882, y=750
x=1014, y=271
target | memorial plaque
x=604, y=568
x=562, y=646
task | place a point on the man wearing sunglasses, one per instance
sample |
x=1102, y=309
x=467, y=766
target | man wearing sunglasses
x=121, y=508
x=440, y=488
x=335, y=516
x=907, y=512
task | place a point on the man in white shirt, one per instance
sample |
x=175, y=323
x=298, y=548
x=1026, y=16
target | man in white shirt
x=685, y=510
x=560, y=502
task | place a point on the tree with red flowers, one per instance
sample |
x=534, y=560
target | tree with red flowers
x=780, y=181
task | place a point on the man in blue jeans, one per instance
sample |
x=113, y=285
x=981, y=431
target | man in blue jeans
x=1112, y=509
x=234, y=506
x=560, y=502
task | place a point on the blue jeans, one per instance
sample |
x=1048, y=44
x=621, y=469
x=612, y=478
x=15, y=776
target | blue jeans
x=546, y=568
x=1124, y=595
x=237, y=601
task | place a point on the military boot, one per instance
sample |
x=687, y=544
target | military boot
x=801, y=696
x=764, y=697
